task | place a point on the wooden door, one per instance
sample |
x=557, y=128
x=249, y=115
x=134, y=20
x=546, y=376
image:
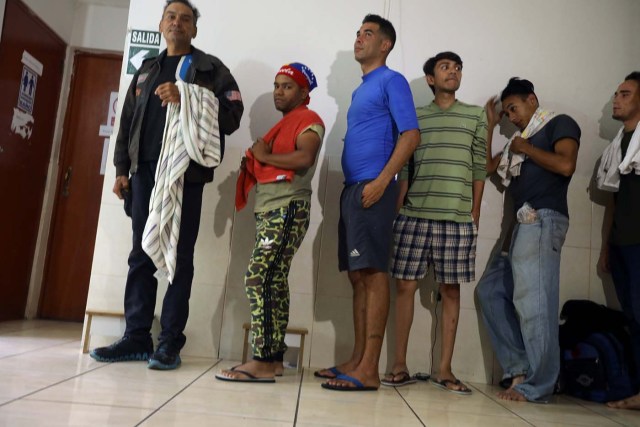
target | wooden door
x=75, y=220
x=32, y=57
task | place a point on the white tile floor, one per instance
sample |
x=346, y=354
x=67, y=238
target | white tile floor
x=46, y=381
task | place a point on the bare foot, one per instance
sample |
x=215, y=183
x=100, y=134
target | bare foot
x=253, y=367
x=511, y=394
x=632, y=402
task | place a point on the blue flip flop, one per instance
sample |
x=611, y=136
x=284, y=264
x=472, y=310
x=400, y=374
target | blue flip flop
x=358, y=385
x=335, y=371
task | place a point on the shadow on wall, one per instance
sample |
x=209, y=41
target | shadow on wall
x=608, y=130
x=262, y=116
x=344, y=77
x=502, y=245
x=507, y=130
x=226, y=190
x=421, y=92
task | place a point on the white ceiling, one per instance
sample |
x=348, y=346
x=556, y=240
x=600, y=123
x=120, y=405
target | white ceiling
x=113, y=3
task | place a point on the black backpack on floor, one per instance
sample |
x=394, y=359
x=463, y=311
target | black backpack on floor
x=597, y=360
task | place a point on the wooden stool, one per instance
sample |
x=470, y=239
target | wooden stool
x=290, y=330
x=87, y=332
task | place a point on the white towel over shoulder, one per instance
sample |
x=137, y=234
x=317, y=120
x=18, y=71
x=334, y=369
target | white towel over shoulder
x=191, y=133
x=612, y=164
x=510, y=163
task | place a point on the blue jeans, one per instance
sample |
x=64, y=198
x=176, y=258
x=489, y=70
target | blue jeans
x=519, y=299
x=625, y=269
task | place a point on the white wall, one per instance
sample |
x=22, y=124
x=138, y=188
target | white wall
x=99, y=27
x=575, y=52
x=57, y=14
x=82, y=25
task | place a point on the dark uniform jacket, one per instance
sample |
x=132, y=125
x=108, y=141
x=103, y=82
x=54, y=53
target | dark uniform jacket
x=206, y=71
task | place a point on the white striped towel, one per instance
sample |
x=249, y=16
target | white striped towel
x=191, y=132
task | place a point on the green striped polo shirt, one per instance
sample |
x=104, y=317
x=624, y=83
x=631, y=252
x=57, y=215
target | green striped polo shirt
x=451, y=155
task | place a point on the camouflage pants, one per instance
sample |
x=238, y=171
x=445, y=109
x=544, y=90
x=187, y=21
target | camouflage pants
x=279, y=234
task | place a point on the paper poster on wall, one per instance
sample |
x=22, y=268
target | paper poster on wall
x=27, y=93
x=105, y=153
x=31, y=62
x=142, y=45
x=22, y=121
x=22, y=124
x=107, y=130
x=113, y=106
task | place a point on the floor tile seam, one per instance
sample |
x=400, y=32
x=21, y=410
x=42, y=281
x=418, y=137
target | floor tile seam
x=479, y=411
x=102, y=405
x=554, y=419
x=178, y=393
x=223, y=413
x=11, y=331
x=295, y=414
x=38, y=349
x=593, y=411
x=409, y=406
x=52, y=385
x=500, y=403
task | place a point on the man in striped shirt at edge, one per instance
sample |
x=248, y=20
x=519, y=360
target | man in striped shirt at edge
x=440, y=212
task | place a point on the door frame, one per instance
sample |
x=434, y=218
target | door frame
x=29, y=311
x=62, y=159
x=54, y=177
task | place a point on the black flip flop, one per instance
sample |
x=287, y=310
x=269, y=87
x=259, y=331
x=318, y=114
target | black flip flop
x=250, y=377
x=405, y=379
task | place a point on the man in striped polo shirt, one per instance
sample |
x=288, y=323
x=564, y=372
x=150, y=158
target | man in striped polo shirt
x=440, y=195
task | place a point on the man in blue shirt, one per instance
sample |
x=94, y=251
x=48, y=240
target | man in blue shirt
x=382, y=133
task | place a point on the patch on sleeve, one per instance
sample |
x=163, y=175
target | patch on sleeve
x=142, y=77
x=233, y=95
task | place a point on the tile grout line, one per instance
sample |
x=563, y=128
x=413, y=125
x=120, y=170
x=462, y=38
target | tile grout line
x=38, y=349
x=409, y=406
x=499, y=403
x=54, y=384
x=155, y=411
x=579, y=403
x=295, y=416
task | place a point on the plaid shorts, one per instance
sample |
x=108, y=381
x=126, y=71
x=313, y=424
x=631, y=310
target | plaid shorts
x=447, y=245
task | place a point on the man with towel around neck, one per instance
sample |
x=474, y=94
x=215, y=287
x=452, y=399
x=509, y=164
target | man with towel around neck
x=519, y=291
x=620, y=253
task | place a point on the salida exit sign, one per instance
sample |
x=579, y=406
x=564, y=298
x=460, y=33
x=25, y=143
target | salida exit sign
x=142, y=45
